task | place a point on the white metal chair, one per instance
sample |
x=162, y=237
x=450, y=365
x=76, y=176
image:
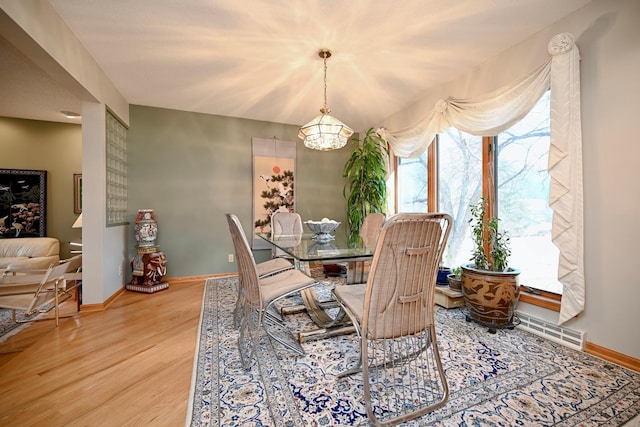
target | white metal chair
x=394, y=318
x=264, y=269
x=285, y=224
x=259, y=294
x=34, y=291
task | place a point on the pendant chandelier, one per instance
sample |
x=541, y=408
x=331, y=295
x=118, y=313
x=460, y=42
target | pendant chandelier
x=325, y=132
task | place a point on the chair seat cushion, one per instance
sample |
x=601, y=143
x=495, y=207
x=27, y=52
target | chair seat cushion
x=283, y=283
x=352, y=297
x=272, y=266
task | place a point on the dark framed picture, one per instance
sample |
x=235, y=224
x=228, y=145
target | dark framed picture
x=77, y=193
x=23, y=203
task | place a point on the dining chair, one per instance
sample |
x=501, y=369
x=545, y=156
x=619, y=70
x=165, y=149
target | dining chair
x=264, y=269
x=259, y=294
x=37, y=291
x=285, y=224
x=393, y=313
x=358, y=271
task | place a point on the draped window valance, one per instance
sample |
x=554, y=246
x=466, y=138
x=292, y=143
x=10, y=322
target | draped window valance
x=497, y=111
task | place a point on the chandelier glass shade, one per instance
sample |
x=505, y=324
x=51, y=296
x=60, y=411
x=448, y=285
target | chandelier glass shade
x=325, y=132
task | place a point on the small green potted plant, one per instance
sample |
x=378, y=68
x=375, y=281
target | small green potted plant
x=489, y=285
x=454, y=279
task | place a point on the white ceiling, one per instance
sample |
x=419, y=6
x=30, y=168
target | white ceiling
x=258, y=59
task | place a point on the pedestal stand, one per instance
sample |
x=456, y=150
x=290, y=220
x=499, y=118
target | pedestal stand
x=148, y=268
x=446, y=297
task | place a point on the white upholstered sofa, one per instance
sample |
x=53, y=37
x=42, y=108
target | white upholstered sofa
x=29, y=253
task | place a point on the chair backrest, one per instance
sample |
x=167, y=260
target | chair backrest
x=400, y=287
x=74, y=264
x=52, y=281
x=370, y=229
x=247, y=272
x=74, y=269
x=285, y=223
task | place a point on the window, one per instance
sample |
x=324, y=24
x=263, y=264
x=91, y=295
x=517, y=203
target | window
x=518, y=171
x=522, y=155
x=412, y=184
x=459, y=185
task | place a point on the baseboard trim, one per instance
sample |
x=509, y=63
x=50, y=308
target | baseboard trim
x=612, y=356
x=85, y=308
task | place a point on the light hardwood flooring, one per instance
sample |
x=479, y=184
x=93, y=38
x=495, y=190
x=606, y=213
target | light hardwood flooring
x=129, y=365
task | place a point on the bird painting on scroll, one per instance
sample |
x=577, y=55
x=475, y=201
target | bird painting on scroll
x=273, y=189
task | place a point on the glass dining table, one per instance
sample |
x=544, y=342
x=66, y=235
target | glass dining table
x=305, y=249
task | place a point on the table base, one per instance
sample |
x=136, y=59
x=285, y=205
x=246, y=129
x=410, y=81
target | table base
x=322, y=333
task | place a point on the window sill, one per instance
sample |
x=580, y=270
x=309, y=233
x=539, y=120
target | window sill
x=544, y=299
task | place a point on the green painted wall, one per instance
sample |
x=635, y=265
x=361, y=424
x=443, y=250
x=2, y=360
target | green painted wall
x=193, y=168
x=56, y=148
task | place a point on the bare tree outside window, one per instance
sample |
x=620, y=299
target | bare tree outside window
x=459, y=185
x=412, y=191
x=523, y=197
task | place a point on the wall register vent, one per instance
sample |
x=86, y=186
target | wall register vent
x=561, y=335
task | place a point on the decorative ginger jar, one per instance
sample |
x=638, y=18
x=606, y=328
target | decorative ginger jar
x=491, y=296
x=146, y=228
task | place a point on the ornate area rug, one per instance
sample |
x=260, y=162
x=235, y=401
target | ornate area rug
x=8, y=327
x=505, y=379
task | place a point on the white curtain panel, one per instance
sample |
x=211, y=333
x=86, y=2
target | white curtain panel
x=497, y=111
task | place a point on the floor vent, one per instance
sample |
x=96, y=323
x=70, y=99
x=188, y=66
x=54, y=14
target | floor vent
x=569, y=337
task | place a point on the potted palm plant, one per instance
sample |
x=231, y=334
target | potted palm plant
x=489, y=285
x=366, y=173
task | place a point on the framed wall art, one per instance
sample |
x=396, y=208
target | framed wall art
x=77, y=193
x=273, y=183
x=23, y=203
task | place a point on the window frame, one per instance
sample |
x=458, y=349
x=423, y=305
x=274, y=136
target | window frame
x=528, y=294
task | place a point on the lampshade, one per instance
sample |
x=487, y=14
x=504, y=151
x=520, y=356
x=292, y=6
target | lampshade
x=325, y=132
x=78, y=222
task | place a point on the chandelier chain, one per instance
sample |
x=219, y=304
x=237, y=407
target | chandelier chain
x=324, y=58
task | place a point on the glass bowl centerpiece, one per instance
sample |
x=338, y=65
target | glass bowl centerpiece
x=322, y=229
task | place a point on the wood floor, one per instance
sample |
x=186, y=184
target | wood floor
x=129, y=365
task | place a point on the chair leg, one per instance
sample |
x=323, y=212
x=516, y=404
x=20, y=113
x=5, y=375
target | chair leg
x=274, y=314
x=57, y=306
x=357, y=368
x=387, y=364
x=400, y=364
x=248, y=336
x=237, y=312
x=281, y=334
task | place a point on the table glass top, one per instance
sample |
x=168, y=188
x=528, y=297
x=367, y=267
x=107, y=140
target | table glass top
x=305, y=248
